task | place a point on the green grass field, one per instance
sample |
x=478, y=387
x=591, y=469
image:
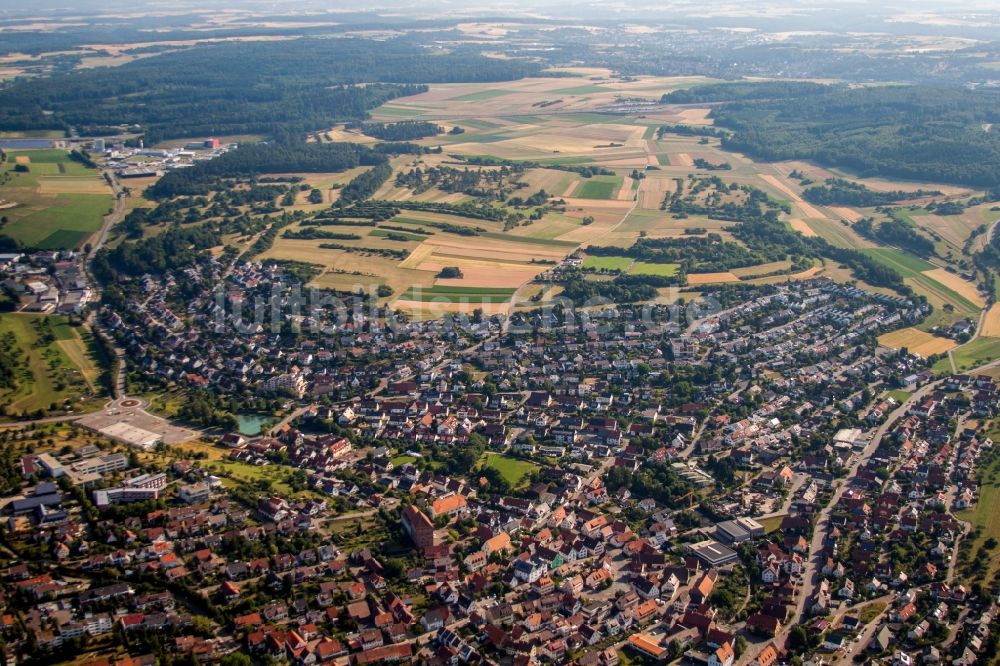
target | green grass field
x=600, y=187
x=392, y=233
x=449, y=294
x=480, y=96
x=985, y=518
x=513, y=470
x=979, y=351
x=907, y=264
x=607, y=263
x=912, y=268
x=399, y=111
x=581, y=90
x=528, y=240
x=661, y=270
x=47, y=217
x=899, y=395
x=65, y=369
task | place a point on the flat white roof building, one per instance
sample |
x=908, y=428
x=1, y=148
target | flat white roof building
x=131, y=435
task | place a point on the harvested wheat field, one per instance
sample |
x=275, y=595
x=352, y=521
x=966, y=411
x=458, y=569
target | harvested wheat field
x=695, y=116
x=625, y=192
x=848, y=214
x=482, y=272
x=991, y=322
x=436, y=310
x=477, y=247
x=778, y=279
x=72, y=185
x=653, y=190
x=956, y=229
x=22, y=159
x=960, y=286
x=917, y=342
x=801, y=227
x=807, y=208
x=711, y=278
x=681, y=159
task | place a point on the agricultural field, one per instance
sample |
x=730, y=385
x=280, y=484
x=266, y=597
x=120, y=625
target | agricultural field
x=600, y=187
x=991, y=322
x=557, y=123
x=978, y=352
x=62, y=368
x=917, y=342
x=602, y=263
x=56, y=204
x=953, y=298
x=660, y=270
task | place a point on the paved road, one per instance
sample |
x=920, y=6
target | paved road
x=865, y=636
x=811, y=576
x=117, y=213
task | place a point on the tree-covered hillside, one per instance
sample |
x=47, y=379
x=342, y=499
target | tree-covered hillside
x=939, y=134
x=291, y=86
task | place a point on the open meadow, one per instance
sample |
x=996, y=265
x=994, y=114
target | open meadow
x=50, y=201
x=62, y=364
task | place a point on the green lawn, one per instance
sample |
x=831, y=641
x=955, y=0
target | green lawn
x=513, y=470
x=606, y=263
x=979, y=351
x=50, y=375
x=985, y=517
x=771, y=524
x=402, y=460
x=899, y=395
x=661, y=270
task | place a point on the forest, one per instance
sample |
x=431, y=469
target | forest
x=177, y=247
x=840, y=192
x=699, y=254
x=407, y=130
x=252, y=159
x=267, y=88
x=908, y=132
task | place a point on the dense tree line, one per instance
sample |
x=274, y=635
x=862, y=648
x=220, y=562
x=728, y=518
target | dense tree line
x=743, y=91
x=689, y=130
x=177, y=247
x=580, y=290
x=655, y=481
x=406, y=130
x=912, y=132
x=312, y=233
x=840, y=192
x=583, y=170
x=705, y=254
x=365, y=184
x=10, y=361
x=270, y=88
x=249, y=160
x=896, y=232
x=496, y=184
